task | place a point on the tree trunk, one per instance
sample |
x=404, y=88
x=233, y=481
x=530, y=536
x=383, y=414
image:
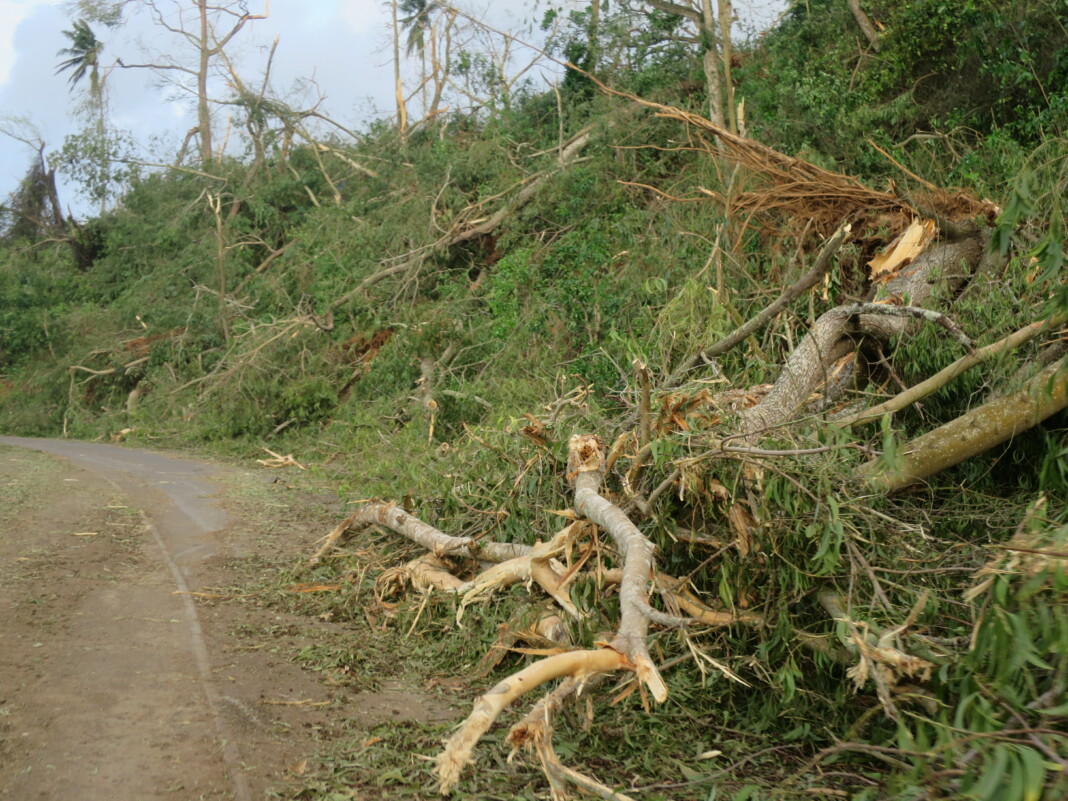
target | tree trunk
x=865, y=24
x=838, y=332
x=593, y=42
x=398, y=88
x=710, y=61
x=207, y=155
x=726, y=18
x=991, y=424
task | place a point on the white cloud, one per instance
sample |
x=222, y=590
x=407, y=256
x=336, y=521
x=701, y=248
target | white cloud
x=360, y=15
x=12, y=12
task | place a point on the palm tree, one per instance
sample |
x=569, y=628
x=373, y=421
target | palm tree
x=84, y=59
x=418, y=20
x=84, y=52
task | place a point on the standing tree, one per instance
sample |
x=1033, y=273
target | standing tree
x=419, y=24
x=88, y=156
x=398, y=86
x=206, y=31
x=84, y=57
x=715, y=51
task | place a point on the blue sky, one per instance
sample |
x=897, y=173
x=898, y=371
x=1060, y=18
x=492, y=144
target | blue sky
x=343, y=45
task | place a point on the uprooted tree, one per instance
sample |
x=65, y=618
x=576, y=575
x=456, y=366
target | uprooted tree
x=720, y=487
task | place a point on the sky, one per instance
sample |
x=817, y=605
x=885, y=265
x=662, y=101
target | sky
x=343, y=45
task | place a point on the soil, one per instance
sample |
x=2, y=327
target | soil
x=126, y=669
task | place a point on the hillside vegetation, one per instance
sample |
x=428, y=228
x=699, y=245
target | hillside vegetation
x=841, y=603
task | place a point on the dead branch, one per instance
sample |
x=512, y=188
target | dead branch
x=465, y=231
x=975, y=432
x=628, y=649
x=108, y=371
x=794, y=187
x=425, y=386
x=916, y=313
x=391, y=516
x=586, y=459
x=576, y=664
x=429, y=572
x=700, y=613
x=864, y=22
x=881, y=654
x=535, y=566
x=277, y=460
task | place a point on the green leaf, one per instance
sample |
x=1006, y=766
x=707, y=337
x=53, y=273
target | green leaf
x=989, y=784
x=1061, y=710
x=1033, y=773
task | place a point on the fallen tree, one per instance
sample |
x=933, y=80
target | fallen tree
x=882, y=644
x=975, y=432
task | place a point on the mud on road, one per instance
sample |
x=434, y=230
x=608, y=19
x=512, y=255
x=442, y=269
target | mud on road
x=123, y=672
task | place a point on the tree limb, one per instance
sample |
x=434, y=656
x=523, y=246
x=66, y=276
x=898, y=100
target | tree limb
x=947, y=374
x=806, y=282
x=973, y=433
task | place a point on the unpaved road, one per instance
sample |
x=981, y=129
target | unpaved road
x=119, y=678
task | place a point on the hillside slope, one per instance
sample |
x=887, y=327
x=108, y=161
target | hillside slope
x=800, y=558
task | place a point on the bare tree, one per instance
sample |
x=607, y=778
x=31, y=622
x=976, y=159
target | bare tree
x=206, y=29
x=715, y=50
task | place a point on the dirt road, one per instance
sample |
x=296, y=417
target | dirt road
x=116, y=681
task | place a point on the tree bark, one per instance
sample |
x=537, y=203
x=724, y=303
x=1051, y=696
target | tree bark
x=398, y=88
x=207, y=153
x=586, y=460
x=944, y=376
x=710, y=61
x=838, y=332
x=726, y=20
x=865, y=24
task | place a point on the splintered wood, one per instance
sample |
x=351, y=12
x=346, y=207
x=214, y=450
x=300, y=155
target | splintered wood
x=548, y=567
